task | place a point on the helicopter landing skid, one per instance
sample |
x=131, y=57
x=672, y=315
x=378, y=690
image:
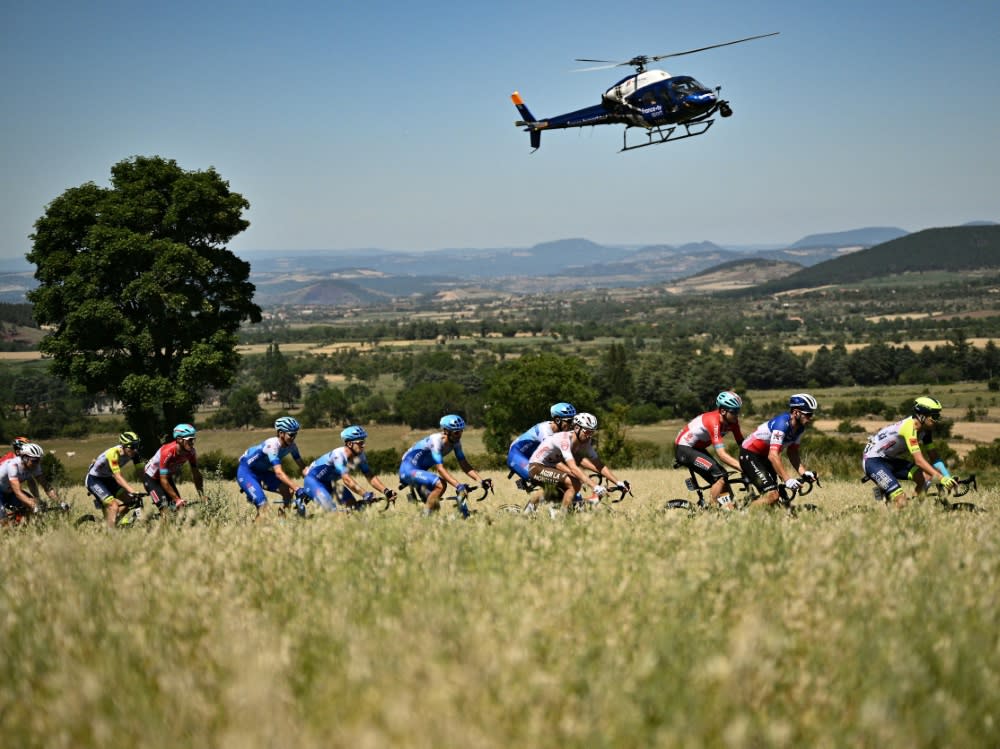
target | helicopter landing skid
x=657, y=135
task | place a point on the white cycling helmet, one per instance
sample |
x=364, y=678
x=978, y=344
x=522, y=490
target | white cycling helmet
x=585, y=421
x=32, y=450
x=803, y=402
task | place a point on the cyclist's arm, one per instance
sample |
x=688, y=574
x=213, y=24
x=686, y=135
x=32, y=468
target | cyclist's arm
x=116, y=472
x=774, y=457
x=725, y=457
x=795, y=459
x=199, y=481
x=18, y=490
x=471, y=472
x=446, y=475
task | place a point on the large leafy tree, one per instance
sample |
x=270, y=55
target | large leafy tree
x=142, y=294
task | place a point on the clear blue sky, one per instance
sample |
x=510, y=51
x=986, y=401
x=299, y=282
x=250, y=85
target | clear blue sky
x=389, y=124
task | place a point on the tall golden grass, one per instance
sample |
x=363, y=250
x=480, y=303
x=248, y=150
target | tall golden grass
x=852, y=626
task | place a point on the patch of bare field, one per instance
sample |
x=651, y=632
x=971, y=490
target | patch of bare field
x=20, y=355
x=812, y=348
x=966, y=435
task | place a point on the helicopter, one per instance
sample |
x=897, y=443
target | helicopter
x=668, y=107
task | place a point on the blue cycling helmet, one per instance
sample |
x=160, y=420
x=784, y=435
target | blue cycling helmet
x=287, y=424
x=729, y=400
x=354, y=434
x=562, y=411
x=184, y=432
x=803, y=402
x=452, y=423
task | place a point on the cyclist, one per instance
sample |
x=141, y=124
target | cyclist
x=760, y=453
x=260, y=468
x=15, y=448
x=26, y=468
x=558, y=459
x=709, y=430
x=897, y=452
x=422, y=466
x=105, y=481
x=521, y=448
x=159, y=476
x=336, y=465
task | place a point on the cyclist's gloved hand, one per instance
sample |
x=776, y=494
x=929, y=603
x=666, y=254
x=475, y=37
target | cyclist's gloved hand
x=179, y=503
x=793, y=484
x=600, y=491
x=948, y=482
x=462, y=489
x=390, y=494
x=624, y=486
x=368, y=497
x=487, y=484
x=809, y=476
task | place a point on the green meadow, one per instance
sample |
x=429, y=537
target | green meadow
x=851, y=626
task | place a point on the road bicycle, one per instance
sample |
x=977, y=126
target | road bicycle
x=18, y=514
x=747, y=492
x=962, y=487
x=134, y=512
x=552, y=500
x=477, y=492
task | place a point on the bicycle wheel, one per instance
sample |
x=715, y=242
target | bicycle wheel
x=511, y=509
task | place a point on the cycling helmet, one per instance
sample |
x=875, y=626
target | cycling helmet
x=129, y=439
x=18, y=443
x=585, y=421
x=184, y=432
x=32, y=450
x=354, y=434
x=562, y=411
x=803, y=402
x=729, y=401
x=927, y=406
x=287, y=424
x=452, y=423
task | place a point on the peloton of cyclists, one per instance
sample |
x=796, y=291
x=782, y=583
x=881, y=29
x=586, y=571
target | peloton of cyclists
x=897, y=451
x=760, y=453
x=709, y=430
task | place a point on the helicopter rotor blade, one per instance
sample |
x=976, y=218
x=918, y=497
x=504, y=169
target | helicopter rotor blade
x=598, y=67
x=713, y=46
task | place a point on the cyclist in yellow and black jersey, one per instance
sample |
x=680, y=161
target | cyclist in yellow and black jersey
x=105, y=480
x=897, y=452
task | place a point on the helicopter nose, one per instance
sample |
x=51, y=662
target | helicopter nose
x=700, y=99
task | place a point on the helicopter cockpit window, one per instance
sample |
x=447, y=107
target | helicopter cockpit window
x=685, y=86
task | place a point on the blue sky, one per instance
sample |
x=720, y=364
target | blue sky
x=389, y=124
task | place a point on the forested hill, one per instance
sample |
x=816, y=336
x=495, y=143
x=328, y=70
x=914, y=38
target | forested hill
x=954, y=248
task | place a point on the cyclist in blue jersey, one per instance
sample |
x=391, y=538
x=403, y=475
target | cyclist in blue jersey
x=760, y=453
x=521, y=448
x=260, y=468
x=423, y=468
x=324, y=472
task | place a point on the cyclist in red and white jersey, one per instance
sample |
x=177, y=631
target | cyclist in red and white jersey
x=709, y=430
x=159, y=476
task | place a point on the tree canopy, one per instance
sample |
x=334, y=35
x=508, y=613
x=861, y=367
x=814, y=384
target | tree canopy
x=143, y=296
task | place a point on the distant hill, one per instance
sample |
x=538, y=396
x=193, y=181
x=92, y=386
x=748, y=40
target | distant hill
x=736, y=274
x=955, y=248
x=864, y=237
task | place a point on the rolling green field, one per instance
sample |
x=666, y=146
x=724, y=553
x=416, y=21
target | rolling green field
x=851, y=626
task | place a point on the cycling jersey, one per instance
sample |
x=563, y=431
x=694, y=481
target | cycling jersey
x=527, y=442
x=559, y=448
x=334, y=464
x=776, y=434
x=430, y=452
x=169, y=460
x=264, y=457
x=15, y=469
x=708, y=429
x=898, y=440
x=109, y=462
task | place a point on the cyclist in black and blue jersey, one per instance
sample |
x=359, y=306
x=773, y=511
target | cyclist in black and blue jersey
x=760, y=453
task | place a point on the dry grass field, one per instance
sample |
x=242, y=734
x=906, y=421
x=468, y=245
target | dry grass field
x=851, y=626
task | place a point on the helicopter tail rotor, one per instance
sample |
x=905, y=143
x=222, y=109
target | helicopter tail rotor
x=529, y=123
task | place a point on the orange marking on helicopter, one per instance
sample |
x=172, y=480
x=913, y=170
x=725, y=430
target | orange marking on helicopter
x=516, y=98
